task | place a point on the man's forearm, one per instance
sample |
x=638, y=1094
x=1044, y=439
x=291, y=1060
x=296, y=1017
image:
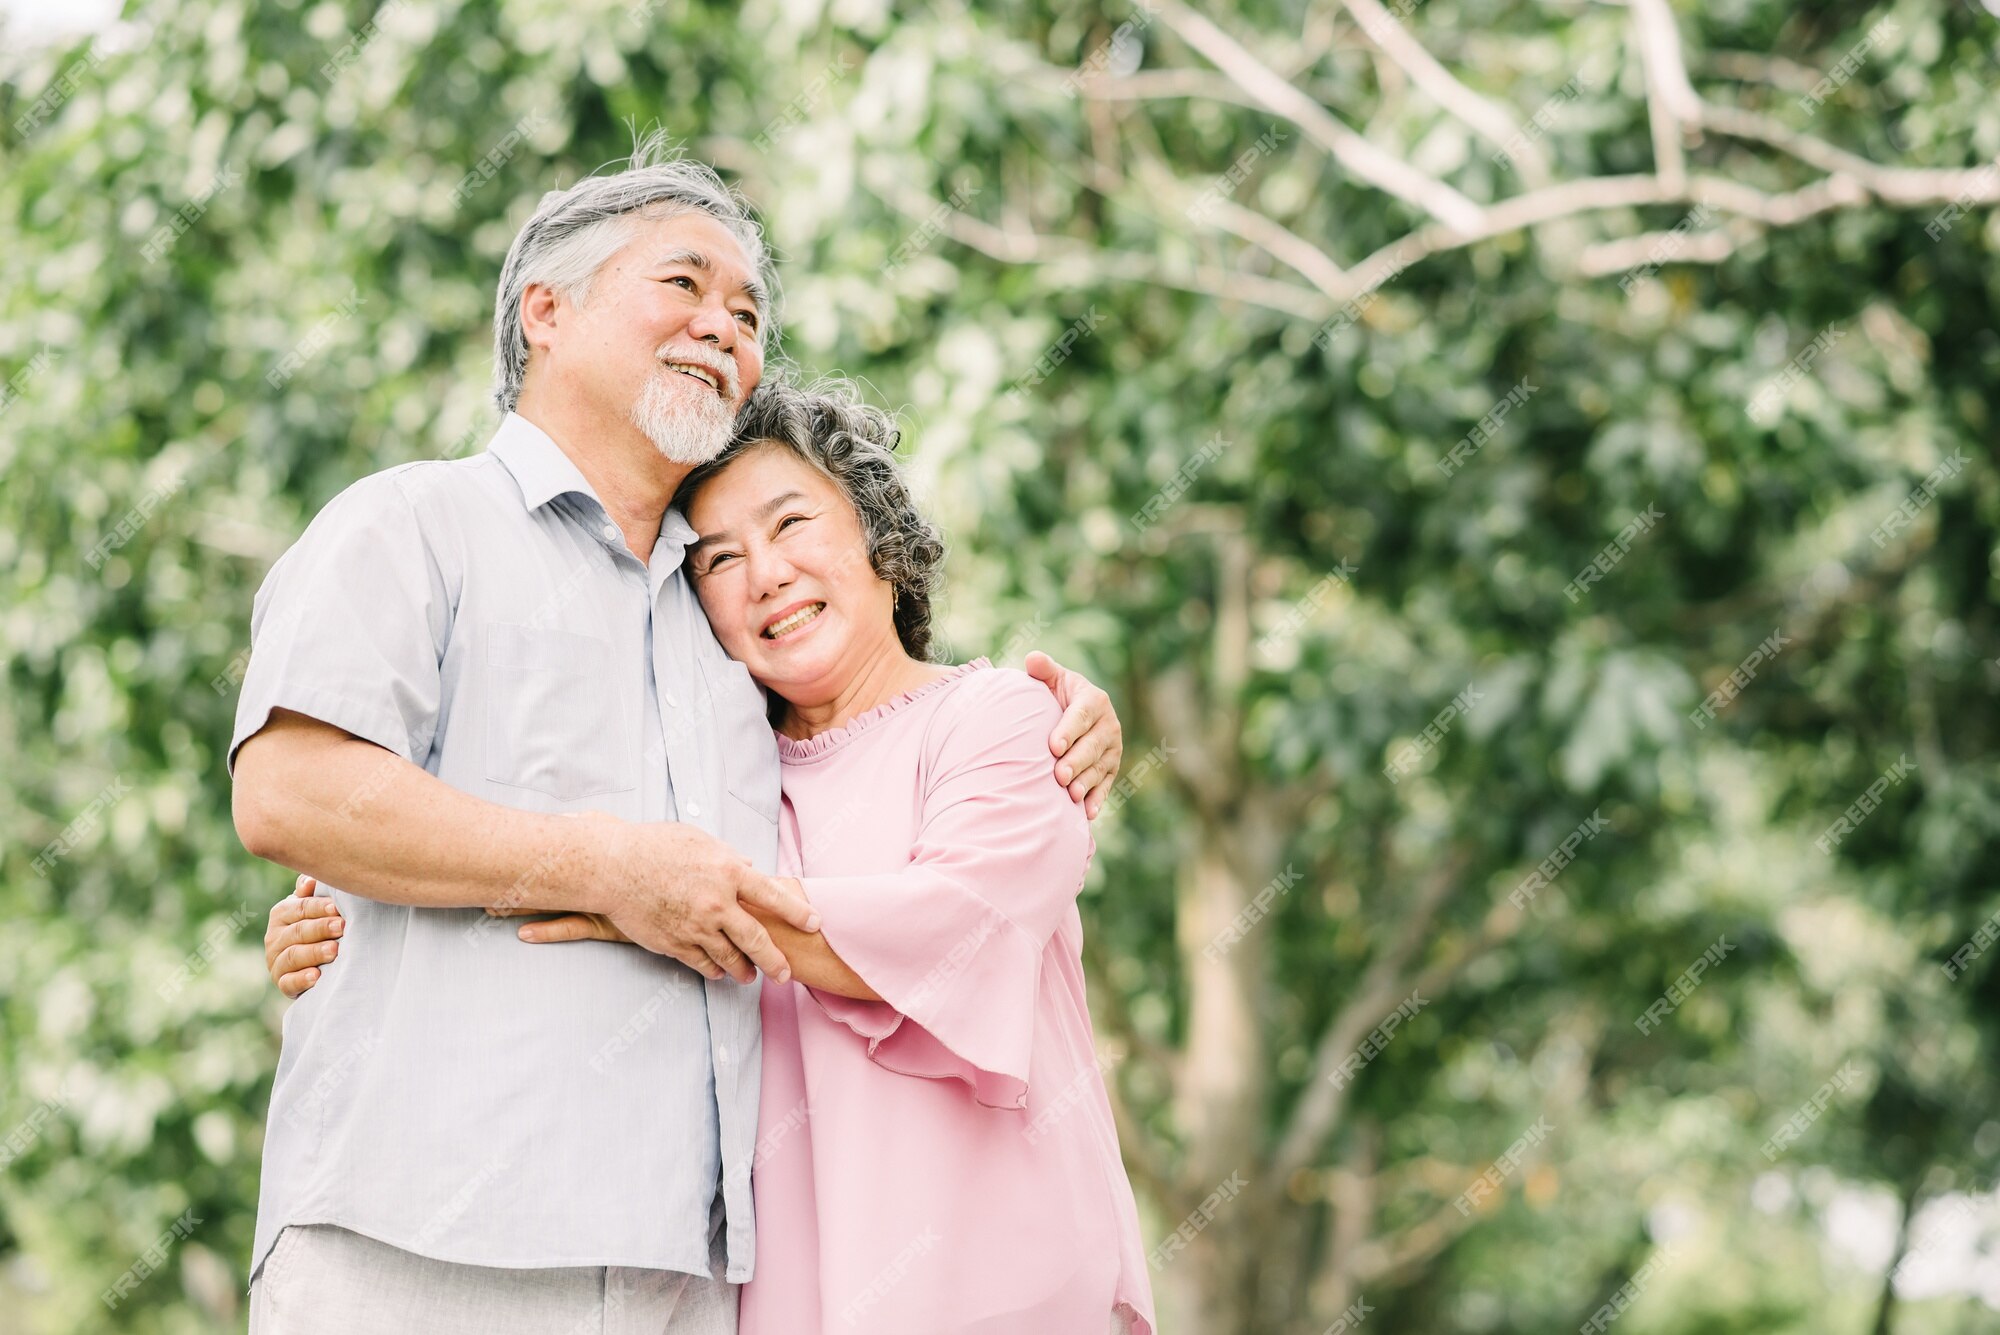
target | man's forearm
x=318, y=800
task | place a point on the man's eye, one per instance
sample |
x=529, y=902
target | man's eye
x=683, y=280
x=749, y=318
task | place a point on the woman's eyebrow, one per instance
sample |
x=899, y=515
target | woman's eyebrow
x=763, y=511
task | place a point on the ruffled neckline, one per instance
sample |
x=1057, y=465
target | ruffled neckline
x=792, y=751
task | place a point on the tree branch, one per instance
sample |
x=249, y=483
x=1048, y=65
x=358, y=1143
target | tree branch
x=1382, y=985
x=1274, y=93
x=1671, y=105
x=1485, y=118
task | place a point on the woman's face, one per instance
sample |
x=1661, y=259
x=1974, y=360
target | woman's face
x=782, y=570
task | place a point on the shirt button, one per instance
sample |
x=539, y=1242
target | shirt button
x=694, y=808
x=722, y=1053
x=610, y=532
x=672, y=703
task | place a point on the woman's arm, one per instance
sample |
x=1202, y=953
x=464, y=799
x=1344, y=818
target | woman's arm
x=812, y=959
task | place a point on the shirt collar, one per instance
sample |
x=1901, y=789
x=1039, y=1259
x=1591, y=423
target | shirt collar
x=543, y=472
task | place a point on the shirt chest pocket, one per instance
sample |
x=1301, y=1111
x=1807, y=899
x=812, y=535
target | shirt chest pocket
x=553, y=719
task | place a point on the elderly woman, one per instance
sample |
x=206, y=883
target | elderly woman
x=936, y=1150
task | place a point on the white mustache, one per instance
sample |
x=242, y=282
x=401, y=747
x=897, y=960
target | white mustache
x=721, y=367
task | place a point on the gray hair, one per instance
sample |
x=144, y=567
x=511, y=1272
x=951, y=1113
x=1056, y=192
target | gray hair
x=575, y=231
x=854, y=445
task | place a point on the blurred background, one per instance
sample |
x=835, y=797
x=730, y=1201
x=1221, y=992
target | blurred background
x=1525, y=472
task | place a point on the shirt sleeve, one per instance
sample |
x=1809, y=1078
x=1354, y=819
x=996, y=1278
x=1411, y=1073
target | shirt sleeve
x=954, y=942
x=350, y=626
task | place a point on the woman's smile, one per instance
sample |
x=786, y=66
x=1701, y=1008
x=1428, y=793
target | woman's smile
x=789, y=624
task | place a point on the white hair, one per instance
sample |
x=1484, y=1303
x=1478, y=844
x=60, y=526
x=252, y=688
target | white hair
x=575, y=231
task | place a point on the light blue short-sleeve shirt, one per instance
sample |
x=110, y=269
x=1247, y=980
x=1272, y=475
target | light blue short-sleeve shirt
x=446, y=1088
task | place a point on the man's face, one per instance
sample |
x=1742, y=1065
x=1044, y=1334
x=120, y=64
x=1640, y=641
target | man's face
x=668, y=339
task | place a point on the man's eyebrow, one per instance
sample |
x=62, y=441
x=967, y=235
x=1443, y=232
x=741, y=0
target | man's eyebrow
x=694, y=259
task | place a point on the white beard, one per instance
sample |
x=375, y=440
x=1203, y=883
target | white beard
x=687, y=429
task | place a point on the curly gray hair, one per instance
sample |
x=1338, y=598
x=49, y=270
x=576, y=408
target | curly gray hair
x=575, y=231
x=854, y=445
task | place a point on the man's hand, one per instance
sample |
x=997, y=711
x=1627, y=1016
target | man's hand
x=1088, y=743
x=682, y=893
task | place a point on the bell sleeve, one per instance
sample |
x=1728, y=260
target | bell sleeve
x=954, y=942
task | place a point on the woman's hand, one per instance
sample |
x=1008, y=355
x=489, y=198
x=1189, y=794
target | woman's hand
x=301, y=936
x=569, y=927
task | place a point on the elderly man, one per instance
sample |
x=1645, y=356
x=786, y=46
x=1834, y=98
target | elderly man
x=487, y=682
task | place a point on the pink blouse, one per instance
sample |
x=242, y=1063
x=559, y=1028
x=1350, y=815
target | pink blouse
x=942, y=1160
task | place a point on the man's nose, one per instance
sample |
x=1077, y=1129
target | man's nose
x=714, y=325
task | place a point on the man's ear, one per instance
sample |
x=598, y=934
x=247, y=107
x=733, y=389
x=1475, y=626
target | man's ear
x=540, y=308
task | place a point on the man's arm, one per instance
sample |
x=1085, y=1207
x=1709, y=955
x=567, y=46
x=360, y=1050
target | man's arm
x=314, y=798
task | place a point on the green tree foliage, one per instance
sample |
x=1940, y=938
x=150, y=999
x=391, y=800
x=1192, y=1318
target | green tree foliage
x=1301, y=459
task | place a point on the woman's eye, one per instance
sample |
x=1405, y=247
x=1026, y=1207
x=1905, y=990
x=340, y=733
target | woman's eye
x=716, y=563
x=789, y=520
